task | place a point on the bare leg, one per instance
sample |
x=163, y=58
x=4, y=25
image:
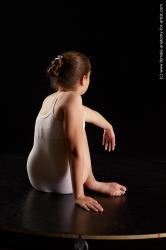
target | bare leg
x=110, y=188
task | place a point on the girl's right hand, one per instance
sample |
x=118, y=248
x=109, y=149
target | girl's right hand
x=89, y=203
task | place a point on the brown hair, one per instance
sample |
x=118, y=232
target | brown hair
x=67, y=68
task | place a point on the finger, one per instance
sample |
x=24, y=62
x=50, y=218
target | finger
x=113, y=143
x=92, y=207
x=84, y=206
x=95, y=207
x=94, y=203
x=110, y=147
x=106, y=145
x=103, y=140
x=100, y=208
x=93, y=200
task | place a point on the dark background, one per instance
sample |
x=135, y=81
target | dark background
x=122, y=42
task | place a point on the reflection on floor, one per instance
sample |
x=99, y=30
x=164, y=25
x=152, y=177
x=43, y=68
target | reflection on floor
x=141, y=175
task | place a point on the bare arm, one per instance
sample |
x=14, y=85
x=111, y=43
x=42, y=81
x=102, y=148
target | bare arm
x=73, y=128
x=95, y=118
x=74, y=135
x=98, y=120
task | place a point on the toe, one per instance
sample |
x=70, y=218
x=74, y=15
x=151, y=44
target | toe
x=123, y=188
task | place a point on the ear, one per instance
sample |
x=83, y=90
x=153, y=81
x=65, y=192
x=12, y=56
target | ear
x=82, y=80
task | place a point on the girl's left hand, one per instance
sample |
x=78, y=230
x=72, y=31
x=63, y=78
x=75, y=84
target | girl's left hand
x=109, y=139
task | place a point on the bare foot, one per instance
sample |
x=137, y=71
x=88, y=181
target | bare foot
x=110, y=188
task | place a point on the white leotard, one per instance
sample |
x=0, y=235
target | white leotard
x=47, y=164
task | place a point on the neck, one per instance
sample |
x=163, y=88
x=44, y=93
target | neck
x=74, y=89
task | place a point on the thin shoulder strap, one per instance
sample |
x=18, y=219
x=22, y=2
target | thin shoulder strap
x=54, y=102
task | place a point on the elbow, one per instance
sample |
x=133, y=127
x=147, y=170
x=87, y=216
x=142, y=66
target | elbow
x=75, y=153
x=75, y=145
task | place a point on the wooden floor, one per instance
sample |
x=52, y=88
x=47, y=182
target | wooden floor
x=135, y=221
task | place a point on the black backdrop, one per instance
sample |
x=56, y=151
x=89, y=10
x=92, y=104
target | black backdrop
x=122, y=41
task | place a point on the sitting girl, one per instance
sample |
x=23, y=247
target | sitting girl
x=60, y=160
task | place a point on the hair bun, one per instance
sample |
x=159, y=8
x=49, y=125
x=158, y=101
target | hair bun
x=55, y=66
